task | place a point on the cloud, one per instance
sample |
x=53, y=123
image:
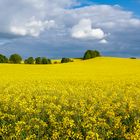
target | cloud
x=18, y=16
x=32, y=28
x=103, y=41
x=84, y=30
x=61, y=27
x=104, y=16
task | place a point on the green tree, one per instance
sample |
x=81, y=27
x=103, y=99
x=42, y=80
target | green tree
x=46, y=61
x=49, y=61
x=38, y=60
x=87, y=55
x=96, y=53
x=66, y=60
x=3, y=59
x=29, y=60
x=133, y=58
x=15, y=58
x=91, y=54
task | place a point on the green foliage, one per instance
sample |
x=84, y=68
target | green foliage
x=30, y=60
x=66, y=60
x=3, y=59
x=38, y=60
x=55, y=62
x=42, y=60
x=133, y=58
x=45, y=61
x=91, y=54
x=15, y=58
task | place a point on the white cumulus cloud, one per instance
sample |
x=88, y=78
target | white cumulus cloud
x=103, y=41
x=33, y=27
x=84, y=30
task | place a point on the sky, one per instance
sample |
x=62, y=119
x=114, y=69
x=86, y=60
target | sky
x=67, y=28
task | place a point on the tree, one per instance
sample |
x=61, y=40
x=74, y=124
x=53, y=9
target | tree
x=66, y=60
x=49, y=61
x=91, y=54
x=15, y=58
x=38, y=60
x=3, y=59
x=87, y=55
x=55, y=62
x=96, y=53
x=46, y=61
x=133, y=58
x=30, y=60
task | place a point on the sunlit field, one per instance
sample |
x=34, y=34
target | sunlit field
x=93, y=99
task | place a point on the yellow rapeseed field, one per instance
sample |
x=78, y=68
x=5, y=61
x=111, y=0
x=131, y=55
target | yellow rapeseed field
x=96, y=99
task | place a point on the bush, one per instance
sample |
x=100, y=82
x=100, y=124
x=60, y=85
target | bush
x=45, y=61
x=133, y=58
x=30, y=60
x=55, y=62
x=3, y=59
x=66, y=60
x=15, y=58
x=91, y=54
x=38, y=60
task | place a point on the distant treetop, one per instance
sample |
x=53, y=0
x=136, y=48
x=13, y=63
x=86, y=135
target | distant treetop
x=91, y=54
x=3, y=59
x=15, y=58
x=66, y=60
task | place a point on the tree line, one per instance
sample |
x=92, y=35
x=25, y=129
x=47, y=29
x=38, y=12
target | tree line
x=17, y=59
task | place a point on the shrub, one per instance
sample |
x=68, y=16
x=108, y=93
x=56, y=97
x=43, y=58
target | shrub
x=38, y=60
x=15, y=58
x=133, y=58
x=55, y=62
x=91, y=54
x=3, y=59
x=45, y=61
x=66, y=60
x=30, y=60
